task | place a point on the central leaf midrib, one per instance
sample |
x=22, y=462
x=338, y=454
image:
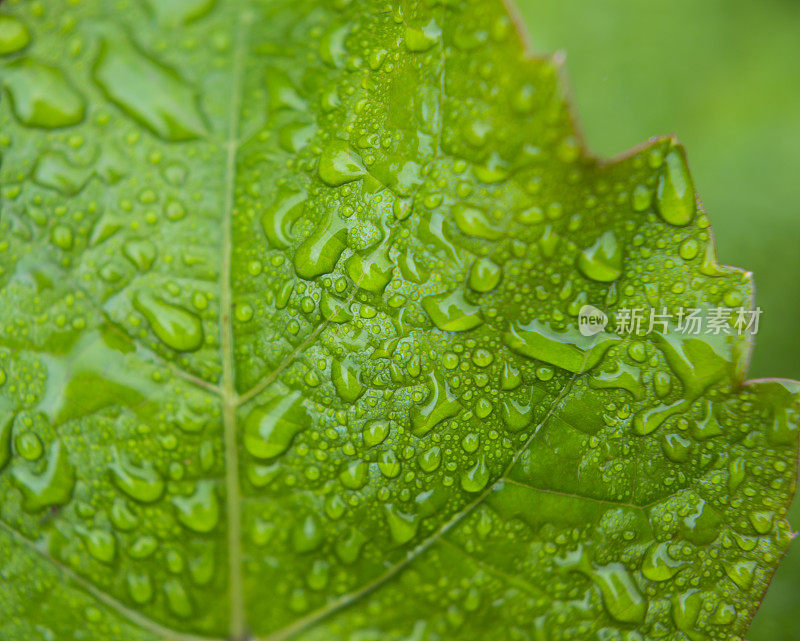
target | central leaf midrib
x=237, y=622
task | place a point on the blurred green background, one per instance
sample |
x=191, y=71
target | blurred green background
x=723, y=76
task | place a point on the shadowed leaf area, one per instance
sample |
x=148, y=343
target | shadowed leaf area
x=290, y=349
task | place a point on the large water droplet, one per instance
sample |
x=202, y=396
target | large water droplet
x=344, y=374
x=402, y=527
x=269, y=429
x=451, y=312
x=141, y=483
x=55, y=171
x=149, y=92
x=354, y=475
x=567, y=349
x=473, y=222
x=200, y=511
x=41, y=95
x=177, y=327
x=177, y=599
x=375, y=432
x=14, y=35
x=675, y=193
x=484, y=275
x=53, y=487
x=440, y=405
x=279, y=217
x=339, y=164
x=307, y=535
x=658, y=565
x=372, y=271
x=320, y=252
x=140, y=587
x=101, y=544
x=621, y=597
x=603, y=260
x=475, y=478
x=6, y=423
x=175, y=12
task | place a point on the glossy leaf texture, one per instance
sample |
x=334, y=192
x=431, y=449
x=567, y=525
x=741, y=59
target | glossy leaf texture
x=290, y=351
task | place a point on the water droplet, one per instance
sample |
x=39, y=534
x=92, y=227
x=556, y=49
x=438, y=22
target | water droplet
x=484, y=275
x=375, y=432
x=339, y=164
x=473, y=222
x=373, y=271
x=517, y=415
x=621, y=597
x=344, y=375
x=677, y=448
x=689, y=249
x=29, y=446
x=567, y=349
x=332, y=47
x=175, y=326
x=402, y=527
x=761, y=521
x=279, y=217
x=282, y=92
x=685, y=608
x=41, y=96
x=141, y=483
x=741, y=573
x=348, y=549
x=430, y=459
x=320, y=252
x=675, y=193
x=354, y=475
x=476, y=478
x=200, y=511
x=451, y=312
x=269, y=429
x=625, y=377
x=307, y=535
x=140, y=587
x=658, y=565
x=703, y=525
x=440, y=405
x=149, y=92
x=334, y=309
x=648, y=420
x=420, y=39
x=14, y=35
x=388, y=464
x=510, y=378
x=736, y=471
x=6, y=423
x=603, y=260
x=176, y=12
x=52, y=487
x=141, y=253
x=177, y=599
x=101, y=544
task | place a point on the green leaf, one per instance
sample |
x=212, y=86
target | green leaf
x=290, y=346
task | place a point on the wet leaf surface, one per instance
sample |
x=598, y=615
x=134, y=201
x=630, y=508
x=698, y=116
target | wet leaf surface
x=291, y=351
